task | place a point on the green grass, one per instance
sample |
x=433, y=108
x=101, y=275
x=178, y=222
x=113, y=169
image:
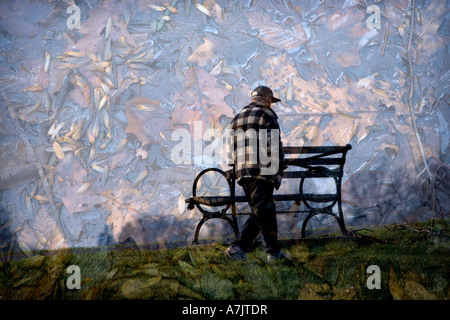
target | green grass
x=414, y=264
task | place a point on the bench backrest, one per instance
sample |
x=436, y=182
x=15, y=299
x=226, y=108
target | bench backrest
x=318, y=161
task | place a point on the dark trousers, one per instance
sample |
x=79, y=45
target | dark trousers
x=263, y=218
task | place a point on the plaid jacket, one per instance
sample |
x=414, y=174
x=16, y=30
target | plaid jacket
x=254, y=144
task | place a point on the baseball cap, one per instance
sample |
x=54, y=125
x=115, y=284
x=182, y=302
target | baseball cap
x=263, y=91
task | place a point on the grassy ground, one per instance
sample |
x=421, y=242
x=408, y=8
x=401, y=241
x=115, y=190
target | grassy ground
x=413, y=261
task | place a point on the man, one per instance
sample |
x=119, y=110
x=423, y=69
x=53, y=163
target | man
x=255, y=136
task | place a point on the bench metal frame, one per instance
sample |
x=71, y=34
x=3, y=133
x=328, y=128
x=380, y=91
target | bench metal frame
x=322, y=162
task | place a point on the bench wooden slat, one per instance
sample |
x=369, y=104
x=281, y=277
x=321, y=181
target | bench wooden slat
x=316, y=161
x=308, y=174
x=216, y=201
x=314, y=149
x=305, y=196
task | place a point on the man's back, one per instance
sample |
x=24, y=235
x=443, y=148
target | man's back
x=256, y=144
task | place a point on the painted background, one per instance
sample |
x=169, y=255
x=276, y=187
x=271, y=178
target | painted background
x=87, y=114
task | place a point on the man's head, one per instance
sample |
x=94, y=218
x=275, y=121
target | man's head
x=263, y=95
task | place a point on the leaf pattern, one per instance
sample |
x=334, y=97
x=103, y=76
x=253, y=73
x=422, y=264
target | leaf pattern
x=203, y=99
x=89, y=113
x=275, y=35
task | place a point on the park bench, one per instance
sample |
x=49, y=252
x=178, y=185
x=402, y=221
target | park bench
x=302, y=163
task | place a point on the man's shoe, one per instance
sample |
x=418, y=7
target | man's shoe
x=236, y=253
x=277, y=256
